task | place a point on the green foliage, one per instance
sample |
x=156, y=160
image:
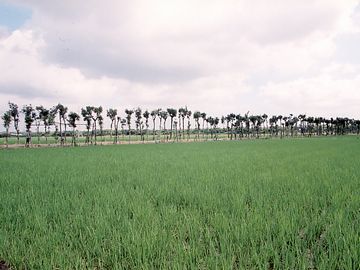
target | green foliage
x=138, y=116
x=86, y=114
x=172, y=112
x=197, y=115
x=44, y=115
x=97, y=111
x=30, y=116
x=112, y=113
x=155, y=113
x=72, y=118
x=128, y=115
x=146, y=115
x=6, y=117
x=255, y=204
x=14, y=113
x=164, y=115
x=62, y=110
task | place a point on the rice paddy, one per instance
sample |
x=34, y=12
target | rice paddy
x=256, y=204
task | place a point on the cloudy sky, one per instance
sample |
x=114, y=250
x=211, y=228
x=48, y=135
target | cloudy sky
x=218, y=56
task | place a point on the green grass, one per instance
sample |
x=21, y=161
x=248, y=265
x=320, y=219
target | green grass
x=261, y=204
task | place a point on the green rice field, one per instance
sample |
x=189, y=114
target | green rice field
x=254, y=204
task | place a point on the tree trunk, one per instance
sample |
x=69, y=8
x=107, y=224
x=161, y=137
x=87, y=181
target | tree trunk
x=129, y=133
x=17, y=135
x=65, y=130
x=61, y=138
x=46, y=139
x=189, y=131
x=112, y=121
x=28, y=138
x=95, y=131
x=7, y=137
x=198, y=124
x=116, y=132
x=160, y=131
x=183, y=124
x=164, y=129
x=141, y=134
x=73, y=137
x=203, y=125
x=176, y=133
x=88, y=136
x=171, y=127
x=207, y=130
x=154, y=129
x=38, y=133
x=92, y=133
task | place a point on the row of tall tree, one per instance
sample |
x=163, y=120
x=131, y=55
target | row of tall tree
x=235, y=126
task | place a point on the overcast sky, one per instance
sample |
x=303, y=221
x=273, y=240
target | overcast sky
x=218, y=56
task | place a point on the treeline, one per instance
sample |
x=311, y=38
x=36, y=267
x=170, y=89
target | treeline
x=152, y=125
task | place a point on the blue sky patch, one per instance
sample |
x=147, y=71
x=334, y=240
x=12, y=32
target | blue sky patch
x=12, y=16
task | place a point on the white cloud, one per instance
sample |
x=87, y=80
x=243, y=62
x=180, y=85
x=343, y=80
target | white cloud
x=335, y=92
x=28, y=79
x=181, y=40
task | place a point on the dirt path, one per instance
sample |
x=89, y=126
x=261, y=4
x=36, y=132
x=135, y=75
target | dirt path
x=34, y=145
